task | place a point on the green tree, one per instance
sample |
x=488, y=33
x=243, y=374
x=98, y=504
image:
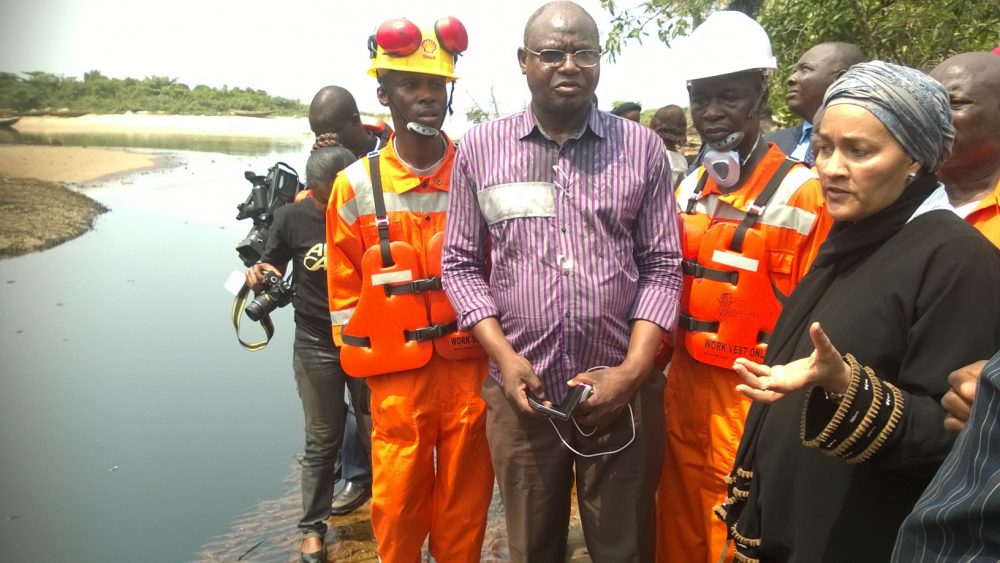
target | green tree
x=479, y=114
x=666, y=18
x=914, y=33
x=97, y=93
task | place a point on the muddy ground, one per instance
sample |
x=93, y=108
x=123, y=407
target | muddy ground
x=35, y=215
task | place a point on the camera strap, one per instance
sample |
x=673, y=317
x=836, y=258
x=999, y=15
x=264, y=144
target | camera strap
x=237, y=313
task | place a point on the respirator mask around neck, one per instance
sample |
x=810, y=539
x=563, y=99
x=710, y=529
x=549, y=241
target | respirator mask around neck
x=722, y=161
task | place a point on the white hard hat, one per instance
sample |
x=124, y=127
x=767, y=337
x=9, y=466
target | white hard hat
x=728, y=42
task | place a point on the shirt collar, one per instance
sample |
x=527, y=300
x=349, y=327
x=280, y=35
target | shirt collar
x=806, y=132
x=990, y=201
x=398, y=177
x=596, y=124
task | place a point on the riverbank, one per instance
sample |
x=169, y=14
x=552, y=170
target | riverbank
x=149, y=124
x=38, y=207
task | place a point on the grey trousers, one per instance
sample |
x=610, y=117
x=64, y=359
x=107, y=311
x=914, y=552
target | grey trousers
x=321, y=383
x=616, y=492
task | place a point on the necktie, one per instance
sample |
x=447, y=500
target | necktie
x=808, y=158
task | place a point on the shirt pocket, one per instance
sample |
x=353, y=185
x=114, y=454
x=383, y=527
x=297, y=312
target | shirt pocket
x=369, y=231
x=503, y=202
x=779, y=264
x=780, y=261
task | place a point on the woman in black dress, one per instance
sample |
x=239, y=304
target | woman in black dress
x=837, y=449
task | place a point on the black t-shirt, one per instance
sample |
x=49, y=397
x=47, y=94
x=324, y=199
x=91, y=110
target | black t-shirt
x=299, y=234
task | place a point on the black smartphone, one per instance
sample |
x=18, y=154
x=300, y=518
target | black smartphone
x=563, y=410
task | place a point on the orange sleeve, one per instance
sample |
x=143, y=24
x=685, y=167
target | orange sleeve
x=810, y=198
x=986, y=217
x=344, y=247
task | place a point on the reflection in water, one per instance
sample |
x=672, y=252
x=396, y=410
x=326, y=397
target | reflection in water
x=250, y=146
x=132, y=425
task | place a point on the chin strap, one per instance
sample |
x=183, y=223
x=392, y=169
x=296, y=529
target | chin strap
x=422, y=130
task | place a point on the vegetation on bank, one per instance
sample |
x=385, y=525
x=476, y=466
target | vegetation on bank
x=39, y=91
x=916, y=34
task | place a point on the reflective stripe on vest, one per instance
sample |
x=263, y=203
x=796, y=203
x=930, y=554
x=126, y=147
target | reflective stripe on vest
x=363, y=202
x=341, y=317
x=778, y=213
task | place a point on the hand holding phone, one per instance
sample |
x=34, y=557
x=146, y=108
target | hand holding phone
x=564, y=410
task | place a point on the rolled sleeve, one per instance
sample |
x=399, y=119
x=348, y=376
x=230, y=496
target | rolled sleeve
x=658, y=250
x=464, y=256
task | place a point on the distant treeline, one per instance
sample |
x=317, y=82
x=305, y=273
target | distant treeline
x=96, y=93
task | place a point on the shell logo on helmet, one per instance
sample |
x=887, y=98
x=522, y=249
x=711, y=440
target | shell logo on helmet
x=398, y=44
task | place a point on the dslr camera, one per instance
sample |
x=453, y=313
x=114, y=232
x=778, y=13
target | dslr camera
x=268, y=193
x=277, y=293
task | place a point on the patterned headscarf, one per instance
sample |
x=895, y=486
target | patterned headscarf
x=913, y=107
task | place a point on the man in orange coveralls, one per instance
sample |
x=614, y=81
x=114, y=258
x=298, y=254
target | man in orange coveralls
x=431, y=465
x=753, y=221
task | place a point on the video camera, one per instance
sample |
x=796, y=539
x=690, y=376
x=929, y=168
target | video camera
x=268, y=193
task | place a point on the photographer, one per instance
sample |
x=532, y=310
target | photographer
x=335, y=120
x=298, y=234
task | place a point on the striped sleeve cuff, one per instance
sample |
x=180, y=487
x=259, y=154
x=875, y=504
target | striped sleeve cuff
x=657, y=306
x=470, y=318
x=862, y=421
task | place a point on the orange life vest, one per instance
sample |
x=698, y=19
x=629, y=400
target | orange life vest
x=401, y=317
x=458, y=344
x=728, y=305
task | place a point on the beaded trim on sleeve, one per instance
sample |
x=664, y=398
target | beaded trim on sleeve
x=895, y=414
x=851, y=407
x=860, y=424
x=745, y=548
x=740, y=558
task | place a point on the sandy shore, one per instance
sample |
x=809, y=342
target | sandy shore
x=69, y=164
x=39, y=211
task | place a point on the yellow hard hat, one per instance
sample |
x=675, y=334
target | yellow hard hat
x=398, y=44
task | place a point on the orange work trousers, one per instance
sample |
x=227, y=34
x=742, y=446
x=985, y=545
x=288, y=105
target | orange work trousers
x=431, y=469
x=705, y=417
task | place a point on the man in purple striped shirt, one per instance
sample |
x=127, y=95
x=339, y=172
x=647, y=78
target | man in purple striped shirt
x=572, y=211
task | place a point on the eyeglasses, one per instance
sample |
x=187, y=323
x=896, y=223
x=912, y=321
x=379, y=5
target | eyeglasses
x=585, y=58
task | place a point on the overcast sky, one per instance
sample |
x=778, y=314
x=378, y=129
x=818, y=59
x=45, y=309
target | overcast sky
x=293, y=47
